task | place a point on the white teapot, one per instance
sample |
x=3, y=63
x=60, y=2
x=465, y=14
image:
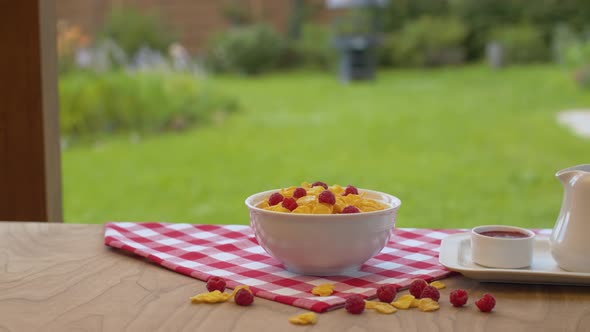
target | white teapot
x=570, y=239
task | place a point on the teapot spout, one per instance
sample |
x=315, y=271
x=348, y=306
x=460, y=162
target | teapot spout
x=569, y=174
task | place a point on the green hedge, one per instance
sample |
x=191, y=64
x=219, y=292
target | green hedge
x=521, y=43
x=133, y=29
x=143, y=102
x=428, y=41
x=482, y=16
x=247, y=50
x=314, y=47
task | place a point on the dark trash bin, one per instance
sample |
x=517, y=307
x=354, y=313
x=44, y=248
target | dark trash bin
x=357, y=38
x=358, y=59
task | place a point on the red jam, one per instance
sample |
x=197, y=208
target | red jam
x=504, y=234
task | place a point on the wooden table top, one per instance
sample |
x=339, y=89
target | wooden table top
x=61, y=277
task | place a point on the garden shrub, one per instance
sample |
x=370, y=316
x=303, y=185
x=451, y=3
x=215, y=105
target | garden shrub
x=314, y=47
x=140, y=102
x=399, y=12
x=562, y=39
x=482, y=16
x=428, y=41
x=578, y=54
x=248, y=50
x=521, y=43
x=132, y=29
x=572, y=50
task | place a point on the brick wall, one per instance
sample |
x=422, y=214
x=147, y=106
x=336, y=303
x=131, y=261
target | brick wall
x=195, y=20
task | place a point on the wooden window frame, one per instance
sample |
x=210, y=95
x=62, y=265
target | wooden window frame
x=30, y=171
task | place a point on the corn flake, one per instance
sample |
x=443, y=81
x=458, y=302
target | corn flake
x=305, y=185
x=277, y=208
x=315, y=190
x=385, y=308
x=381, y=307
x=370, y=304
x=302, y=209
x=368, y=205
x=323, y=290
x=211, y=297
x=336, y=189
x=367, y=209
x=308, y=200
x=352, y=199
x=438, y=285
x=308, y=318
x=338, y=207
x=428, y=304
x=322, y=208
x=404, y=302
x=415, y=303
x=288, y=192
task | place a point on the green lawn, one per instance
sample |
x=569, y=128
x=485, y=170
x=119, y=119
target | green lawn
x=460, y=147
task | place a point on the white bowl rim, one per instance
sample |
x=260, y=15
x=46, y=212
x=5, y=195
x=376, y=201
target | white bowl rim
x=395, y=204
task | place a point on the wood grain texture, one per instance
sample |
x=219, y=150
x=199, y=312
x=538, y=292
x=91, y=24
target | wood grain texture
x=60, y=277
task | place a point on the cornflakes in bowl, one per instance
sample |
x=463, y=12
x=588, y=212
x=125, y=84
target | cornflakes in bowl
x=321, y=199
x=322, y=233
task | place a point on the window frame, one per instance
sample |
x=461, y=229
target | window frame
x=30, y=169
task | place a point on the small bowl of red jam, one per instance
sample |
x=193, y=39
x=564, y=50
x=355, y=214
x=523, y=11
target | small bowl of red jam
x=498, y=246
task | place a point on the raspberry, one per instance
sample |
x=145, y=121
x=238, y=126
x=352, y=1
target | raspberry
x=386, y=293
x=244, y=297
x=299, y=192
x=216, y=283
x=350, y=190
x=430, y=292
x=327, y=197
x=416, y=287
x=355, y=304
x=351, y=209
x=486, y=303
x=319, y=183
x=290, y=204
x=458, y=297
x=275, y=199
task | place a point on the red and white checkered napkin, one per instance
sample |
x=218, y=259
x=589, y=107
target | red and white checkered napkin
x=231, y=251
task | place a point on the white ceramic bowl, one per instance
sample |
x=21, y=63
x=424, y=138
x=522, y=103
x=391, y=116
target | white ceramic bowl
x=494, y=246
x=323, y=244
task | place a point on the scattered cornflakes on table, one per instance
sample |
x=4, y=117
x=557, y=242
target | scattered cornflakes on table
x=216, y=296
x=323, y=290
x=404, y=302
x=308, y=318
x=211, y=297
x=438, y=285
x=428, y=304
x=380, y=307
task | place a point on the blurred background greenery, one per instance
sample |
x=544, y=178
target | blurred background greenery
x=460, y=122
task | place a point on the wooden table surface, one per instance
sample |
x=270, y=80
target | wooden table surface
x=61, y=277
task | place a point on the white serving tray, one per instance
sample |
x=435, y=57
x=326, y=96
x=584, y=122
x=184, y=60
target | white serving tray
x=455, y=255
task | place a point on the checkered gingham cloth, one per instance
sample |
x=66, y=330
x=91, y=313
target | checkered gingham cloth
x=232, y=252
